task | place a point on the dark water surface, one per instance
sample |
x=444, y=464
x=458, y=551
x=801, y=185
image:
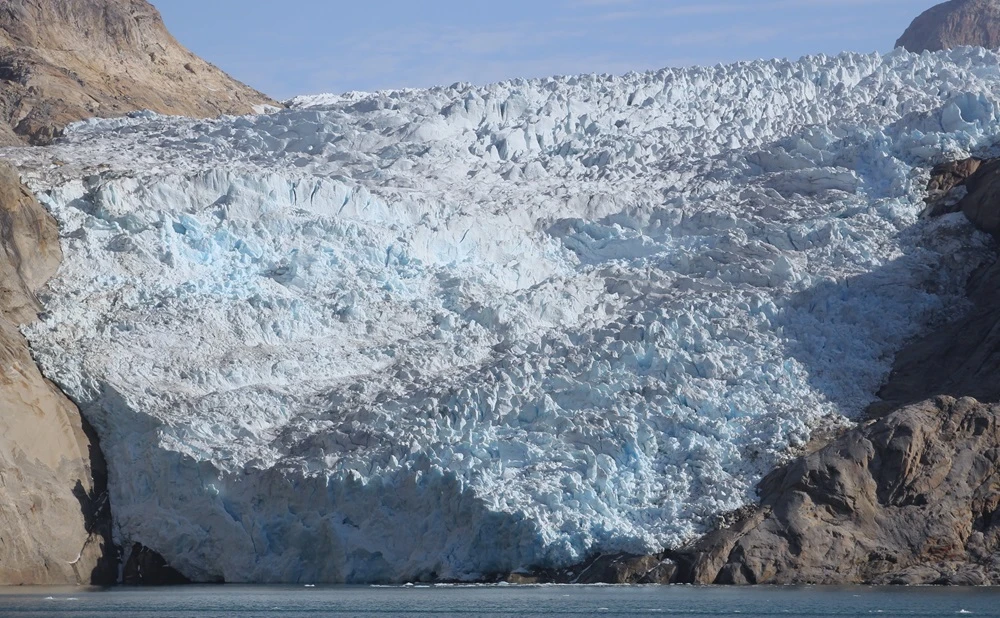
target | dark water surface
x=264, y=601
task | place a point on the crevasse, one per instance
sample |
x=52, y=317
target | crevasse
x=452, y=332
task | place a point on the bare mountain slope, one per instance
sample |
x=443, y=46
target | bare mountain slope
x=65, y=60
x=954, y=23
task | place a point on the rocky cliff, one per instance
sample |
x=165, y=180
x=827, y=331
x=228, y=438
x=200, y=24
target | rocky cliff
x=65, y=60
x=910, y=499
x=954, y=23
x=54, y=517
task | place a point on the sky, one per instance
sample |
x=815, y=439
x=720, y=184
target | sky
x=314, y=46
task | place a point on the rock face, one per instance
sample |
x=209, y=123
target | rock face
x=65, y=60
x=54, y=517
x=952, y=24
x=910, y=499
x=970, y=186
x=980, y=203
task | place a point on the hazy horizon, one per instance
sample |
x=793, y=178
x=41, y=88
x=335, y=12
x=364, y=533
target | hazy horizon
x=320, y=46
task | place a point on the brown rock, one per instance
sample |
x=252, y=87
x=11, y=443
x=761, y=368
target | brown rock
x=952, y=24
x=912, y=498
x=947, y=185
x=62, y=61
x=947, y=176
x=54, y=515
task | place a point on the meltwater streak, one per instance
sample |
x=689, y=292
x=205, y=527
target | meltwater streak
x=490, y=602
x=439, y=334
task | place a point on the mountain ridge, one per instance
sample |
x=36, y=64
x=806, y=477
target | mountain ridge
x=62, y=61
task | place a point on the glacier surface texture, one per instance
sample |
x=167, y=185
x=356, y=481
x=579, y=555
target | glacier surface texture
x=452, y=332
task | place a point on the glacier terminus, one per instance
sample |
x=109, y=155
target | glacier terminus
x=442, y=334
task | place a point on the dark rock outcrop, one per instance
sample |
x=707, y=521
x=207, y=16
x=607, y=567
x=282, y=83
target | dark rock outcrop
x=604, y=569
x=970, y=186
x=911, y=499
x=145, y=567
x=66, y=60
x=981, y=204
x=947, y=185
x=954, y=23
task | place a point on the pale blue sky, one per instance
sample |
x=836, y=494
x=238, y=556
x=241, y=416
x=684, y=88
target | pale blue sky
x=310, y=46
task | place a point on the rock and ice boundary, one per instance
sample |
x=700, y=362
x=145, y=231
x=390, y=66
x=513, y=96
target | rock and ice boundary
x=438, y=334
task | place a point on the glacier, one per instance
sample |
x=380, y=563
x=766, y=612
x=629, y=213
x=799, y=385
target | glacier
x=446, y=333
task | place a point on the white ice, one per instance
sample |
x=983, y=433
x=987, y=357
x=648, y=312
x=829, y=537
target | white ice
x=465, y=330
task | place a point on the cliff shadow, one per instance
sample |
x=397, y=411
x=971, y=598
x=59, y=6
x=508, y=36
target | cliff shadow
x=959, y=358
x=95, y=505
x=858, y=337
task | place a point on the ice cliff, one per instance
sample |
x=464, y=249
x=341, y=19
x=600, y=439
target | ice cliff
x=450, y=332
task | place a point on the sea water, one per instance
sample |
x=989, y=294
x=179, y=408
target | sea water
x=496, y=601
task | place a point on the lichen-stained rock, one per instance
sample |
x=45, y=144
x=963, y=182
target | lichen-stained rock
x=62, y=61
x=54, y=522
x=910, y=499
x=952, y=24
